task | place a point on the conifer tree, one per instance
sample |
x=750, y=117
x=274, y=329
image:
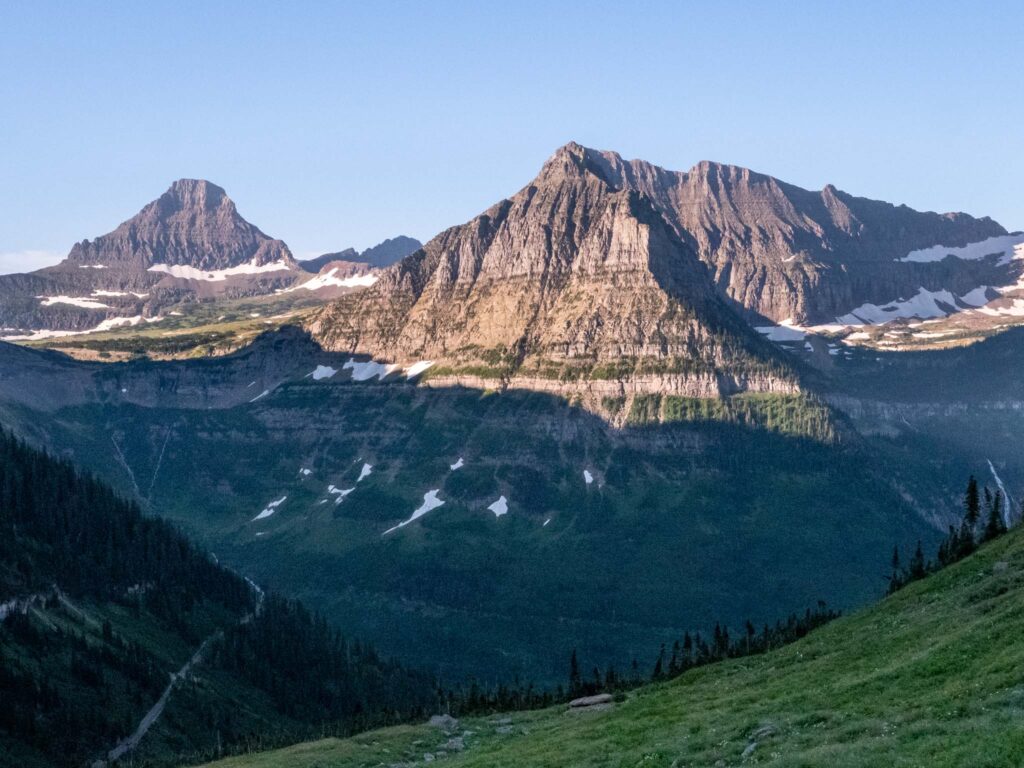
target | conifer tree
x=918, y=569
x=972, y=504
x=659, y=665
x=575, y=680
x=995, y=526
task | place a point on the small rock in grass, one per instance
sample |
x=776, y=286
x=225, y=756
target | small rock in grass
x=445, y=722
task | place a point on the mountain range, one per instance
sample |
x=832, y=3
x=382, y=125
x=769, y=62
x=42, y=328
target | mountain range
x=622, y=404
x=189, y=245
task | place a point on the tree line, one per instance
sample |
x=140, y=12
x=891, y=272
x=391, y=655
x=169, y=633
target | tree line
x=984, y=519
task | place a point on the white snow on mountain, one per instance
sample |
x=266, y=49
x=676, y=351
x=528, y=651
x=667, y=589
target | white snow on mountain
x=1008, y=246
x=458, y=464
x=185, y=272
x=977, y=297
x=1015, y=309
x=416, y=369
x=341, y=493
x=500, y=507
x=781, y=332
x=587, y=477
x=270, y=509
x=75, y=301
x=331, y=280
x=323, y=372
x=364, y=472
x=100, y=292
x=430, y=501
x=364, y=371
x=923, y=305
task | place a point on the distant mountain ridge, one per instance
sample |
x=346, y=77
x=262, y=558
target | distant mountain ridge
x=383, y=254
x=621, y=277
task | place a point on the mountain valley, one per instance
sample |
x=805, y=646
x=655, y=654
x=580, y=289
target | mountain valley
x=621, y=405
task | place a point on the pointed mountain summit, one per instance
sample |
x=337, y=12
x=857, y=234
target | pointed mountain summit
x=572, y=279
x=189, y=242
x=194, y=223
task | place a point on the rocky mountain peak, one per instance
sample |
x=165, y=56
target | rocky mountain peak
x=575, y=271
x=196, y=195
x=194, y=223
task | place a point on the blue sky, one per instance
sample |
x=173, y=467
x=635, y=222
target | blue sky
x=334, y=124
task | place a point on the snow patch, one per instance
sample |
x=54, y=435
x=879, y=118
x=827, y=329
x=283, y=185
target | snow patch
x=341, y=493
x=364, y=371
x=417, y=368
x=1009, y=246
x=781, y=332
x=75, y=301
x=323, y=372
x=330, y=280
x=364, y=472
x=264, y=393
x=185, y=272
x=1016, y=309
x=587, y=477
x=100, y=292
x=545, y=522
x=500, y=507
x=923, y=305
x=459, y=465
x=305, y=472
x=430, y=501
x=977, y=297
x=270, y=509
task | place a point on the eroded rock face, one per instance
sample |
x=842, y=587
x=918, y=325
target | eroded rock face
x=566, y=278
x=786, y=252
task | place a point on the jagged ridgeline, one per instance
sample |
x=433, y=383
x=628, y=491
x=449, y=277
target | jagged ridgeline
x=100, y=611
x=571, y=286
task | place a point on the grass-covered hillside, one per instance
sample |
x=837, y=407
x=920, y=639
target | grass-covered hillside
x=931, y=676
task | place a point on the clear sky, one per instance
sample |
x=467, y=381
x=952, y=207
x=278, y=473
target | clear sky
x=340, y=124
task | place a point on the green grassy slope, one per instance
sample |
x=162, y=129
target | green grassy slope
x=931, y=676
